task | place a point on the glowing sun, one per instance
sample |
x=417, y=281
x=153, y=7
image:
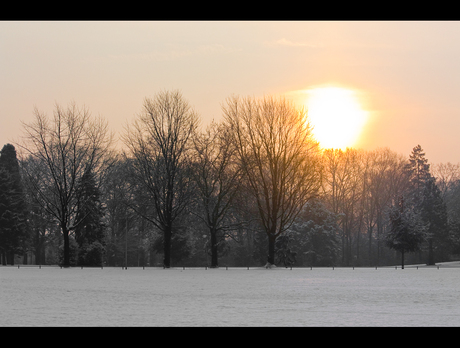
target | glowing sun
x=336, y=116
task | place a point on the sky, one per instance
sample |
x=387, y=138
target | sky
x=406, y=74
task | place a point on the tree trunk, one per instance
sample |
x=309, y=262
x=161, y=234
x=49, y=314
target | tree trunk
x=430, y=252
x=10, y=257
x=271, y=249
x=402, y=259
x=379, y=234
x=66, y=261
x=214, y=262
x=38, y=254
x=369, y=232
x=167, y=247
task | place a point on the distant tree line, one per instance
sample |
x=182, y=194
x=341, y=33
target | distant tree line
x=253, y=189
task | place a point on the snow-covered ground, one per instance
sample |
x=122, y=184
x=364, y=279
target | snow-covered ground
x=52, y=296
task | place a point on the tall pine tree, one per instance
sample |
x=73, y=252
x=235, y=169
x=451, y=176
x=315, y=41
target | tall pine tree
x=426, y=199
x=12, y=206
x=434, y=216
x=89, y=233
x=418, y=170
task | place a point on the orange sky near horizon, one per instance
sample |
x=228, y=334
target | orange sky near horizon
x=405, y=75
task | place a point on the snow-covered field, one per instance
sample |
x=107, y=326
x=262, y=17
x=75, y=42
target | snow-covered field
x=52, y=296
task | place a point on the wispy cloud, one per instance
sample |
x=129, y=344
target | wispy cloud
x=284, y=42
x=334, y=43
x=174, y=52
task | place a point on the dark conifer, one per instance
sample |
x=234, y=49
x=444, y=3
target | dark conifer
x=434, y=216
x=12, y=206
x=406, y=230
x=89, y=233
x=419, y=173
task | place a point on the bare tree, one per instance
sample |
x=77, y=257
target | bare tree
x=217, y=178
x=66, y=146
x=447, y=176
x=277, y=153
x=343, y=190
x=159, y=143
x=385, y=181
x=40, y=221
x=359, y=187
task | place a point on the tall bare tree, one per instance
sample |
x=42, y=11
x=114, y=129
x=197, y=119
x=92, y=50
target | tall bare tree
x=279, y=156
x=342, y=187
x=217, y=177
x=385, y=182
x=65, y=146
x=159, y=142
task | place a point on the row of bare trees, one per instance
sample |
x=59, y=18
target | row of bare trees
x=359, y=186
x=256, y=183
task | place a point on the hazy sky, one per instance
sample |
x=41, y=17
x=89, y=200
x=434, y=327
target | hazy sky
x=407, y=74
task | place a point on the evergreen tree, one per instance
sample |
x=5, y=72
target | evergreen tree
x=406, y=229
x=314, y=235
x=89, y=233
x=419, y=173
x=434, y=216
x=7, y=221
x=426, y=199
x=12, y=206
